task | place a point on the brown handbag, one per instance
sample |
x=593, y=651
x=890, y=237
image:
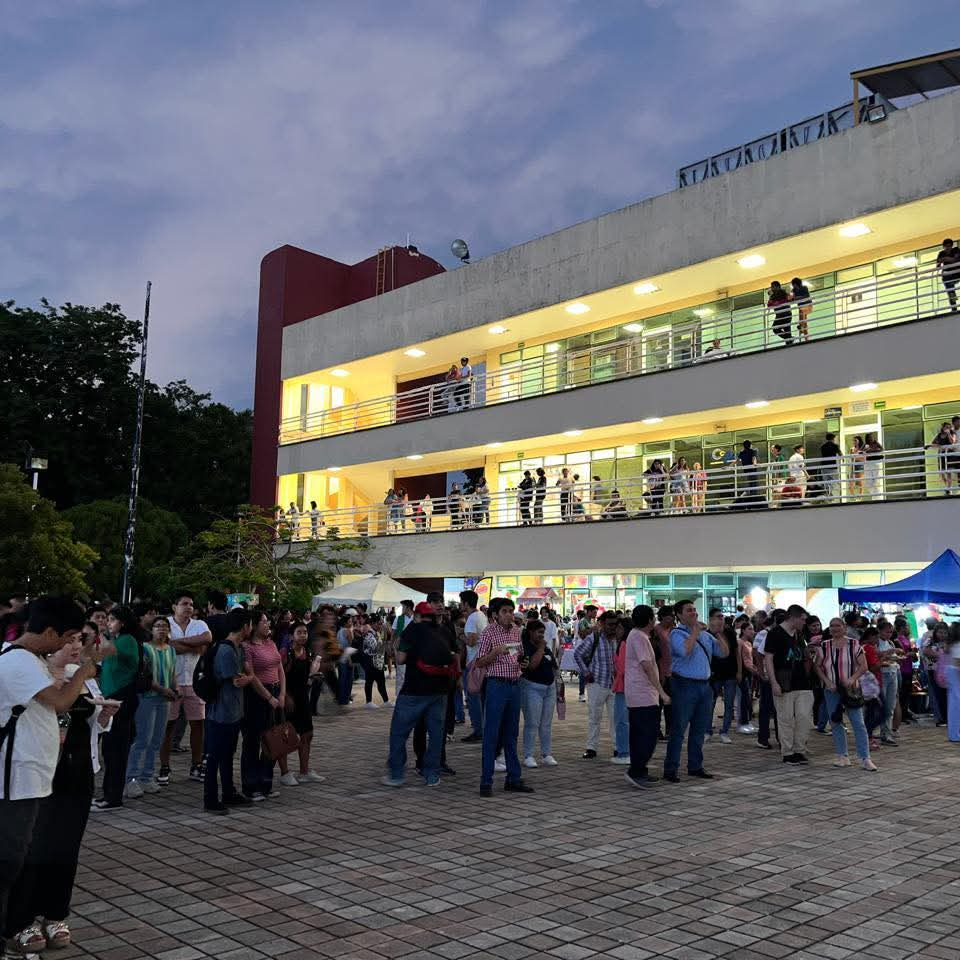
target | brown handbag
x=279, y=740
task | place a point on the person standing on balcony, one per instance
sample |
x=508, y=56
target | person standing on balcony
x=795, y=488
x=483, y=494
x=830, y=455
x=679, y=485
x=464, y=384
x=777, y=473
x=698, y=488
x=426, y=505
x=453, y=506
x=656, y=476
x=858, y=459
x=944, y=441
x=449, y=391
x=540, y=494
x=800, y=295
x=948, y=266
x=565, y=483
x=874, y=454
x=779, y=303
x=293, y=521
x=315, y=521
x=747, y=458
x=524, y=497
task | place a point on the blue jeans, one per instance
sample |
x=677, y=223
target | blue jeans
x=407, y=710
x=150, y=723
x=474, y=706
x=539, y=702
x=501, y=716
x=458, y=715
x=692, y=703
x=855, y=717
x=221, y=747
x=728, y=690
x=621, y=725
x=344, y=682
x=891, y=696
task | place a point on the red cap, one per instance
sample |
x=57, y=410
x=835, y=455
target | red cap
x=425, y=609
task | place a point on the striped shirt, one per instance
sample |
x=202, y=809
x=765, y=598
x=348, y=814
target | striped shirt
x=835, y=659
x=601, y=664
x=163, y=663
x=506, y=666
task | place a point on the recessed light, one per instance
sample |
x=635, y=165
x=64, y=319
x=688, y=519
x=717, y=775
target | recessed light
x=415, y=456
x=553, y=348
x=497, y=329
x=863, y=387
x=913, y=406
x=495, y=444
x=415, y=352
x=756, y=404
x=577, y=308
x=572, y=433
x=334, y=469
x=641, y=289
x=904, y=262
x=854, y=230
x=339, y=372
x=633, y=327
x=703, y=312
x=752, y=260
x=652, y=420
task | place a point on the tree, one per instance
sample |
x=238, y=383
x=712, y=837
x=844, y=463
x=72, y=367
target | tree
x=38, y=553
x=160, y=536
x=247, y=554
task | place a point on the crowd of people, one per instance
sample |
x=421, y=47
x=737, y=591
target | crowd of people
x=118, y=687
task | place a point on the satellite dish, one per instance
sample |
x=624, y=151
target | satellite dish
x=460, y=250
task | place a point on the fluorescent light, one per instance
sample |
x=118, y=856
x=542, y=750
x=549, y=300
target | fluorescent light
x=334, y=469
x=652, y=420
x=904, y=262
x=752, y=260
x=497, y=329
x=703, y=312
x=854, y=230
x=863, y=387
x=495, y=444
x=415, y=352
x=572, y=433
x=644, y=288
x=552, y=348
x=633, y=327
x=757, y=404
x=913, y=406
x=415, y=456
x=339, y=372
x=577, y=308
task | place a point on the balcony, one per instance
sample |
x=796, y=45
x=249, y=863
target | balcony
x=913, y=293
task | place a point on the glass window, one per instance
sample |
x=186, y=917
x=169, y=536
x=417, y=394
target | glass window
x=692, y=580
x=628, y=451
x=941, y=411
x=657, y=579
x=721, y=580
x=506, y=582
x=787, y=578
x=851, y=274
x=780, y=430
x=509, y=465
x=628, y=580
x=581, y=456
x=607, y=454
x=532, y=463
x=823, y=580
x=512, y=357
x=557, y=460
x=601, y=580
x=863, y=578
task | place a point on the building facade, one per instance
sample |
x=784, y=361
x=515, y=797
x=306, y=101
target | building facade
x=642, y=339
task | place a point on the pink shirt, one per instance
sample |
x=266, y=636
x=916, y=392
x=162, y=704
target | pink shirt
x=638, y=689
x=619, y=666
x=265, y=660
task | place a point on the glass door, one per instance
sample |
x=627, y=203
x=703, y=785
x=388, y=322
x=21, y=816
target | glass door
x=854, y=471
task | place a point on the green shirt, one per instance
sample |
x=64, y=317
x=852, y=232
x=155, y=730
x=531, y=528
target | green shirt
x=118, y=672
x=163, y=661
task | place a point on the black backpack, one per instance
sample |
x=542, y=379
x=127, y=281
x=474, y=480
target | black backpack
x=143, y=678
x=205, y=683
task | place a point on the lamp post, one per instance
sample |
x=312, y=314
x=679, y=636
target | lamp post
x=33, y=465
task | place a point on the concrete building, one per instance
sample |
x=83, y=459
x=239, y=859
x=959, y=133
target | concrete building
x=647, y=334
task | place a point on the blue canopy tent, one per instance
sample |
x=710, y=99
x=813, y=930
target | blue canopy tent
x=937, y=583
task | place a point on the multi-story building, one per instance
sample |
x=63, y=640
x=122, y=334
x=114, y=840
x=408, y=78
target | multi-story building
x=645, y=335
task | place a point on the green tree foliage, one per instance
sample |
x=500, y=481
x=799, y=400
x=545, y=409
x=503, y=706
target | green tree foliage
x=102, y=524
x=245, y=554
x=38, y=552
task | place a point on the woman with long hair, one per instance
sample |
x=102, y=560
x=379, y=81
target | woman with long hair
x=858, y=460
x=296, y=666
x=679, y=485
x=262, y=708
x=539, y=693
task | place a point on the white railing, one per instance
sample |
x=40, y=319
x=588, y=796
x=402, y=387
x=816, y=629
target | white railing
x=911, y=294
x=893, y=475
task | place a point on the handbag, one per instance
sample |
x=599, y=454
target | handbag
x=561, y=700
x=475, y=677
x=279, y=740
x=869, y=686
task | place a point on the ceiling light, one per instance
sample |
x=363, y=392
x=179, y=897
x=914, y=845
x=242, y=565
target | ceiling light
x=703, y=312
x=553, y=348
x=339, y=372
x=854, y=230
x=496, y=329
x=913, y=406
x=572, y=433
x=643, y=288
x=334, y=469
x=904, y=262
x=415, y=456
x=577, y=308
x=495, y=444
x=415, y=352
x=633, y=327
x=757, y=404
x=863, y=387
x=652, y=420
x=752, y=260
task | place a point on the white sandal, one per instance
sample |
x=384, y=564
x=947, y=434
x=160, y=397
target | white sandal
x=31, y=938
x=58, y=934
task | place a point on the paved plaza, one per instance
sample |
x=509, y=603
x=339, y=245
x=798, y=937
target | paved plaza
x=766, y=861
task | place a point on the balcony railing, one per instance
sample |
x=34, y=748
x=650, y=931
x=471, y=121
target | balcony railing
x=785, y=485
x=909, y=294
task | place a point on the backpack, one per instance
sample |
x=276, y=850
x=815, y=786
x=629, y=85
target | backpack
x=143, y=678
x=205, y=683
x=8, y=733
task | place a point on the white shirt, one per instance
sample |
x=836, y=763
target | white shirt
x=186, y=662
x=796, y=468
x=36, y=745
x=466, y=371
x=427, y=505
x=476, y=623
x=760, y=641
x=550, y=635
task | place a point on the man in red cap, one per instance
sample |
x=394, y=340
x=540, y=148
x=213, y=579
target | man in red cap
x=430, y=666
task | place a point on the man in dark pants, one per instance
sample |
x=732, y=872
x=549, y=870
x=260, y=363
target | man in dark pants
x=435, y=599
x=767, y=708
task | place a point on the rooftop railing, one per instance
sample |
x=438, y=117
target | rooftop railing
x=909, y=294
x=781, y=485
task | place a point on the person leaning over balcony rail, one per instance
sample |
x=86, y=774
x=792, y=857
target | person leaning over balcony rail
x=779, y=303
x=464, y=384
x=948, y=266
x=800, y=295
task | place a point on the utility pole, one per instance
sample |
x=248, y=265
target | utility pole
x=130, y=539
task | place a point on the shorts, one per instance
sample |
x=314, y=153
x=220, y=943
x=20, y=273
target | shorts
x=193, y=706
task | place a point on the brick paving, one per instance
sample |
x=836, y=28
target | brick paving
x=766, y=861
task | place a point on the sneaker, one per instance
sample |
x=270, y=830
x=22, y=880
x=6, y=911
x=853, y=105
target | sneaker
x=764, y=746
x=257, y=797
x=132, y=791
x=582, y=699
x=517, y=786
x=707, y=737
x=272, y=795
x=500, y=765
x=745, y=728
x=549, y=761
x=486, y=790
x=868, y=764
x=889, y=742
x=163, y=777
x=290, y=780
x=800, y=758
x=447, y=771
x=638, y=781
x=389, y=705
x=588, y=755
x=237, y=800
x=311, y=776
x=621, y=761
x=701, y=774
x=725, y=739
x=105, y=805
x=529, y=762
x=842, y=762
x=196, y=772
x=432, y=782
x=472, y=738
x=791, y=758
x=220, y=809
x=371, y=706
x=150, y=786
x=389, y=781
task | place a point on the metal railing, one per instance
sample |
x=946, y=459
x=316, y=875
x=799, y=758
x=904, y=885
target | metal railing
x=910, y=294
x=781, y=485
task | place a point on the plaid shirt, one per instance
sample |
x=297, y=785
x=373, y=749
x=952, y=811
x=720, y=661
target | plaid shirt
x=506, y=666
x=601, y=666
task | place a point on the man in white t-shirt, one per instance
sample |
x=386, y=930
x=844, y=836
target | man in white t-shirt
x=551, y=634
x=464, y=384
x=475, y=624
x=189, y=638
x=29, y=703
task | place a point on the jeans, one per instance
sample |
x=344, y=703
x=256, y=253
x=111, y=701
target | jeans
x=937, y=697
x=501, y=715
x=621, y=725
x=598, y=697
x=17, y=820
x=539, y=702
x=746, y=699
x=150, y=724
x=407, y=710
x=644, y=727
x=692, y=703
x=728, y=690
x=855, y=716
x=891, y=696
x=256, y=773
x=953, y=703
x=474, y=706
x=221, y=747
x=458, y=713
x=345, y=674
x=767, y=710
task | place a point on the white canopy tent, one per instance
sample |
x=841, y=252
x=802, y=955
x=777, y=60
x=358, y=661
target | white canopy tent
x=376, y=591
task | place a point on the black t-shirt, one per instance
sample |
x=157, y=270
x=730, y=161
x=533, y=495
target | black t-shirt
x=829, y=449
x=747, y=458
x=790, y=661
x=217, y=622
x=725, y=668
x=545, y=671
x=428, y=644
